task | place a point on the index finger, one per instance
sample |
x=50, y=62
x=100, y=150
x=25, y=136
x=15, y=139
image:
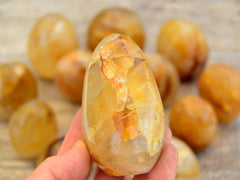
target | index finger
x=74, y=133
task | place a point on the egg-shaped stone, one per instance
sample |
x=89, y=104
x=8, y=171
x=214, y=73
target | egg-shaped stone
x=52, y=37
x=17, y=86
x=123, y=117
x=188, y=166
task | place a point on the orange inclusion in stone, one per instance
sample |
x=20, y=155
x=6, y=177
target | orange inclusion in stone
x=116, y=70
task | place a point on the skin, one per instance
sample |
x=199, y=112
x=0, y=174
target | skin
x=73, y=161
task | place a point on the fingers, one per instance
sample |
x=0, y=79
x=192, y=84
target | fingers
x=74, y=164
x=166, y=166
x=100, y=175
x=168, y=135
x=74, y=133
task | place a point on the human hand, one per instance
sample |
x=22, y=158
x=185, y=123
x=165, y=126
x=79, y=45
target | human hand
x=73, y=161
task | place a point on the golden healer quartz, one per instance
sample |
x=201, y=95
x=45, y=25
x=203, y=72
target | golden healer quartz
x=52, y=37
x=188, y=167
x=123, y=117
x=17, y=86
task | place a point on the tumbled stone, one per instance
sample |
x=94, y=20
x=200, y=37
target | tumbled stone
x=183, y=43
x=51, y=37
x=69, y=75
x=193, y=120
x=166, y=77
x=115, y=20
x=123, y=117
x=32, y=128
x=17, y=86
x=188, y=166
x=220, y=85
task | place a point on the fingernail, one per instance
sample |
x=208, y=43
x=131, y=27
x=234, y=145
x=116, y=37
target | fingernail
x=79, y=143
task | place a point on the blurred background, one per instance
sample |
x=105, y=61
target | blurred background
x=219, y=20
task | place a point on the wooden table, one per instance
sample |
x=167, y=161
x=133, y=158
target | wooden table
x=218, y=19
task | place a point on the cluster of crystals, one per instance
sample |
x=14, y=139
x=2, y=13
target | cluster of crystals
x=70, y=72
x=32, y=128
x=184, y=45
x=51, y=37
x=126, y=140
x=188, y=166
x=193, y=120
x=166, y=77
x=17, y=86
x=220, y=85
x=115, y=20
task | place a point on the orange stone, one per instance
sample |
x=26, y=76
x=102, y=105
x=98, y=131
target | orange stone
x=17, y=86
x=123, y=117
x=166, y=77
x=183, y=43
x=115, y=20
x=220, y=85
x=69, y=75
x=188, y=166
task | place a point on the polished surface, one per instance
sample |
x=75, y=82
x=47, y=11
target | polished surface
x=166, y=77
x=115, y=20
x=32, y=128
x=50, y=38
x=218, y=19
x=123, y=117
x=194, y=120
x=188, y=166
x=69, y=74
x=17, y=86
x=220, y=85
x=183, y=43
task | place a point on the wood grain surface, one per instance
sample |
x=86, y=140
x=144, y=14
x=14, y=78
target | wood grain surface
x=218, y=19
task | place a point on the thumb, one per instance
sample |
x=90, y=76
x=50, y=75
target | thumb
x=73, y=164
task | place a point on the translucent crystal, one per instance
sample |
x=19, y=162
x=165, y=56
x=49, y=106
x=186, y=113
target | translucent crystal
x=123, y=117
x=183, y=43
x=32, y=128
x=188, y=166
x=51, y=37
x=17, y=86
x=166, y=77
x=69, y=75
x=115, y=20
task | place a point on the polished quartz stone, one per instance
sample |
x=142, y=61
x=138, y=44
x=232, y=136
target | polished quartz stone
x=220, y=85
x=123, y=117
x=69, y=75
x=51, y=37
x=183, y=43
x=188, y=166
x=166, y=77
x=32, y=128
x=115, y=20
x=17, y=86
x=193, y=120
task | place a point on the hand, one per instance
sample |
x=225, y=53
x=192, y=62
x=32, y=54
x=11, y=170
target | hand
x=73, y=161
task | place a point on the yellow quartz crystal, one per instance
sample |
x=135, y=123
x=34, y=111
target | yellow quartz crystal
x=52, y=37
x=17, y=86
x=188, y=166
x=123, y=117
